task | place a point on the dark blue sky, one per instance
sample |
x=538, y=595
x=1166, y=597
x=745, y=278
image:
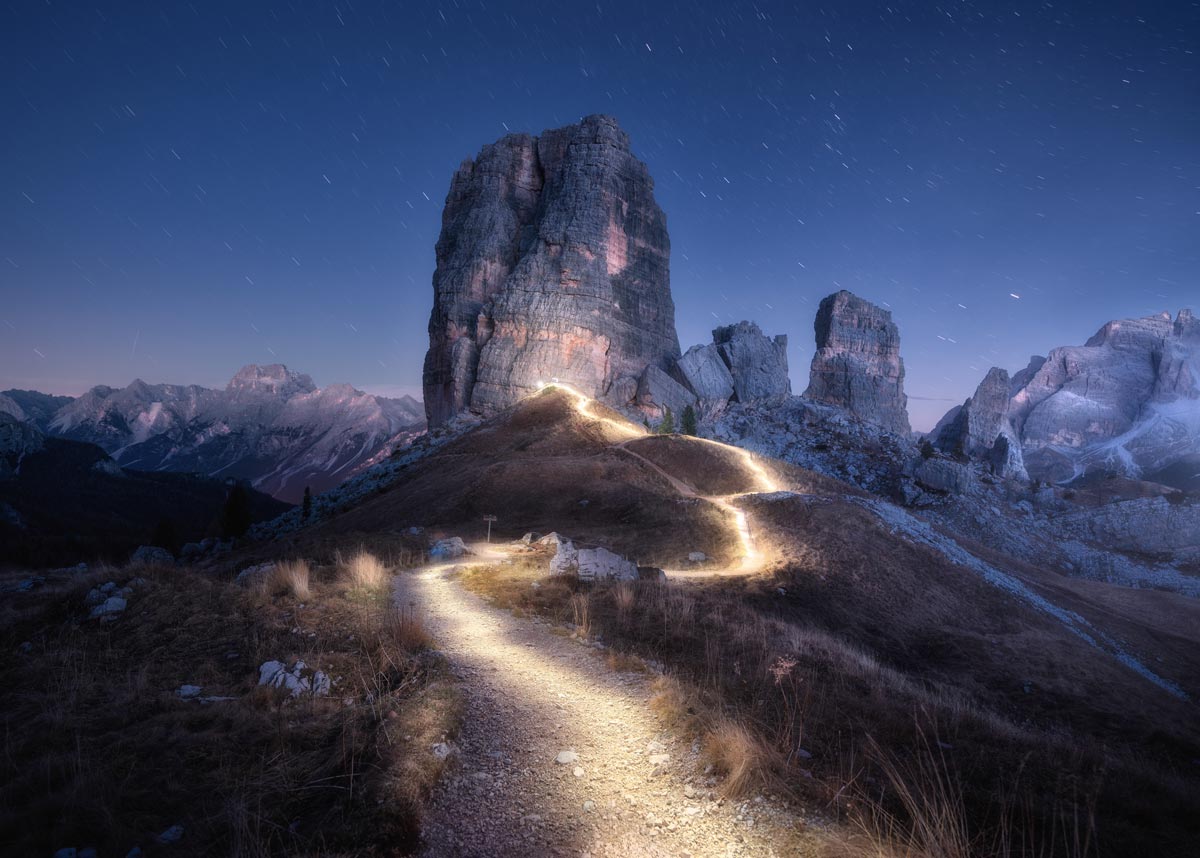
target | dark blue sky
x=185, y=188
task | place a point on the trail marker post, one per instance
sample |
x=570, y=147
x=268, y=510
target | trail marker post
x=489, y=519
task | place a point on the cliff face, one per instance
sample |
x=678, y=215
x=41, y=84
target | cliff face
x=857, y=365
x=552, y=263
x=1127, y=401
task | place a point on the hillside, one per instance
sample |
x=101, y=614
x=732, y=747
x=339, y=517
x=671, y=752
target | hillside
x=1045, y=654
x=67, y=502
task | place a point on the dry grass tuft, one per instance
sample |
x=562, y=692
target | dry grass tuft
x=741, y=756
x=404, y=629
x=363, y=571
x=290, y=577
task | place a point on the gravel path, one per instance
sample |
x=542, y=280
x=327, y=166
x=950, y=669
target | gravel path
x=560, y=755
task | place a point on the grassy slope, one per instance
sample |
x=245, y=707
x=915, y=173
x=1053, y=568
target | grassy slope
x=99, y=751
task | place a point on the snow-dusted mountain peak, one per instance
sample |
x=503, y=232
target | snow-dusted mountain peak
x=274, y=379
x=270, y=425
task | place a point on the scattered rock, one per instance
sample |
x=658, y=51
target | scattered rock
x=188, y=692
x=108, y=609
x=151, y=555
x=298, y=680
x=441, y=750
x=172, y=835
x=566, y=758
x=252, y=575
x=697, y=556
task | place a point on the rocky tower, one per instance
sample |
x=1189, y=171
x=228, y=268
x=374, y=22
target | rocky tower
x=552, y=262
x=857, y=365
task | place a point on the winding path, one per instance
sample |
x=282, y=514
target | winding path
x=632, y=789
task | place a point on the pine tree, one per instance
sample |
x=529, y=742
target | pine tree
x=667, y=427
x=306, y=507
x=235, y=515
x=689, y=421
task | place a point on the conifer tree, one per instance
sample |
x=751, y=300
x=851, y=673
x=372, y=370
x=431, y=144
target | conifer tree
x=689, y=421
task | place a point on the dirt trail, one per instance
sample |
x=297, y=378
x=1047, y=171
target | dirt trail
x=634, y=789
x=753, y=560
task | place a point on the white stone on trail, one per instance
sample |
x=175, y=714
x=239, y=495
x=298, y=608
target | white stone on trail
x=441, y=750
x=188, y=692
x=565, y=758
x=578, y=771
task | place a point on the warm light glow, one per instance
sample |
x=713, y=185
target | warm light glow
x=583, y=405
x=752, y=559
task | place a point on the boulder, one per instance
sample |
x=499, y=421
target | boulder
x=448, y=549
x=703, y=371
x=944, y=475
x=657, y=391
x=552, y=261
x=857, y=366
x=591, y=564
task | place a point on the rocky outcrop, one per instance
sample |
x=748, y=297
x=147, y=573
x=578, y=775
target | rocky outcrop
x=741, y=364
x=857, y=365
x=980, y=429
x=757, y=364
x=552, y=263
x=657, y=392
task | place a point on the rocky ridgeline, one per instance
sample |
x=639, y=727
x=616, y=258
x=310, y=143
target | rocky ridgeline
x=1127, y=401
x=269, y=425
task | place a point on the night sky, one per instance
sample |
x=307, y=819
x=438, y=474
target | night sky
x=186, y=188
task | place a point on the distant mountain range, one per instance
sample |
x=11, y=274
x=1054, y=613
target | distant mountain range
x=270, y=426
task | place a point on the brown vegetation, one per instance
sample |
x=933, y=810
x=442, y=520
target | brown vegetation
x=100, y=750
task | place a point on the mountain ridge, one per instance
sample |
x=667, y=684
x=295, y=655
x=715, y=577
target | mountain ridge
x=269, y=425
